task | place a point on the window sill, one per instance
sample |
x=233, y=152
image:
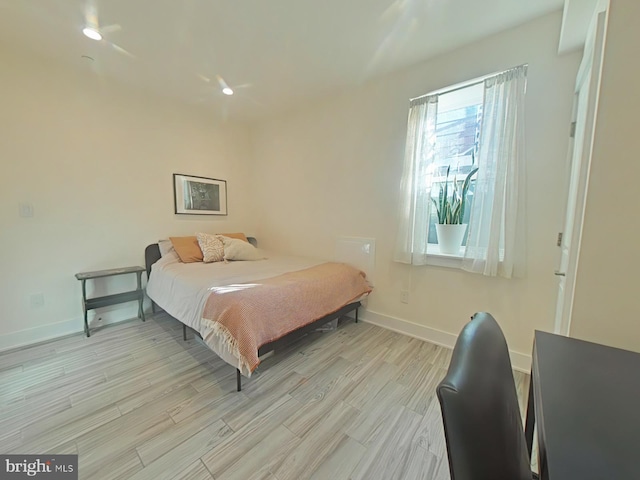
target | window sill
x=439, y=259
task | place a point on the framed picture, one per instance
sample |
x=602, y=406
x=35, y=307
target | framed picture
x=199, y=195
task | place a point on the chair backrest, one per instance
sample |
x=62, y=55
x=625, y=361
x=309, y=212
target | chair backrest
x=479, y=403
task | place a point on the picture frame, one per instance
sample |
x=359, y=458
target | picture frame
x=194, y=195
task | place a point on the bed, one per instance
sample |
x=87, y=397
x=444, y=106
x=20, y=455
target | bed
x=245, y=309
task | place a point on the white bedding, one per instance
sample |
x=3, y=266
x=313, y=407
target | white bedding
x=182, y=289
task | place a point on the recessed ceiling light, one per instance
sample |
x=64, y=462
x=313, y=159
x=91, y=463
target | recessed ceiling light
x=92, y=33
x=223, y=86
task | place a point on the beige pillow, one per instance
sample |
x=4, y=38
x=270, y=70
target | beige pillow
x=211, y=246
x=187, y=249
x=236, y=249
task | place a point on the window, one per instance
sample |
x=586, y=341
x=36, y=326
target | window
x=457, y=132
x=466, y=145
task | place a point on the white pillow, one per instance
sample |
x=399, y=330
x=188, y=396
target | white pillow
x=211, y=246
x=236, y=249
x=170, y=257
x=165, y=247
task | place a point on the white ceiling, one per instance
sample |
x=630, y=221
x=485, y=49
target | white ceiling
x=272, y=52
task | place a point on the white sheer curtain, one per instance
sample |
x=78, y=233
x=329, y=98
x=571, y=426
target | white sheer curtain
x=415, y=192
x=496, y=237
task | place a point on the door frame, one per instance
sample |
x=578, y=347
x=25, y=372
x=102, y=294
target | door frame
x=589, y=74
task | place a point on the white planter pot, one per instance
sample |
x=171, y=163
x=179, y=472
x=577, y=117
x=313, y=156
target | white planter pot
x=450, y=237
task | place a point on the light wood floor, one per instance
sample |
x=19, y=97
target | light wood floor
x=134, y=402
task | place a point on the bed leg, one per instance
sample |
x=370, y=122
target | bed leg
x=356, y=315
x=153, y=307
x=184, y=332
x=239, y=380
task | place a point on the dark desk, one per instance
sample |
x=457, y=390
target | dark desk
x=587, y=409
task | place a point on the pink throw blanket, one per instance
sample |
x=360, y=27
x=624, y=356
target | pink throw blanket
x=249, y=315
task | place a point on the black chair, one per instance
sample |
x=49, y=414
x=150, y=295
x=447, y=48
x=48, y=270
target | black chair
x=479, y=403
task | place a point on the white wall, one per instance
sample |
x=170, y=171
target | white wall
x=96, y=162
x=607, y=303
x=333, y=168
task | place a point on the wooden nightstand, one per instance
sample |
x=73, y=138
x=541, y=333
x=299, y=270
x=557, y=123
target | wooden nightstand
x=104, y=301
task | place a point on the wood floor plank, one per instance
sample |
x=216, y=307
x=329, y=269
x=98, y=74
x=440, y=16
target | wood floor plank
x=340, y=464
x=233, y=448
x=212, y=399
x=66, y=384
x=316, y=445
x=26, y=413
x=136, y=365
x=370, y=423
x=100, y=363
x=258, y=462
x=78, y=357
x=157, y=446
x=110, y=392
x=403, y=350
x=195, y=471
x=414, y=368
x=272, y=379
x=176, y=460
x=11, y=373
x=220, y=374
x=430, y=434
x=442, y=472
x=16, y=357
x=441, y=357
x=377, y=340
x=155, y=392
x=41, y=437
x=365, y=366
x=318, y=362
x=420, y=464
x=15, y=387
x=372, y=383
x=319, y=381
x=10, y=440
x=123, y=467
x=315, y=410
x=245, y=411
x=424, y=390
x=106, y=444
x=391, y=449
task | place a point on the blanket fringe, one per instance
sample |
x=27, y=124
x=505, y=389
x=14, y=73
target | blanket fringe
x=231, y=343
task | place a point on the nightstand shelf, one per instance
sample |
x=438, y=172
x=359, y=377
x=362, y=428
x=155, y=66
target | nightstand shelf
x=107, y=300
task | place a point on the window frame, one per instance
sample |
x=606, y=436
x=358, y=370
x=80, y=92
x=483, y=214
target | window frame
x=433, y=254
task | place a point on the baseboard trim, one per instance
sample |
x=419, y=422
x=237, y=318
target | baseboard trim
x=45, y=333
x=519, y=361
x=32, y=336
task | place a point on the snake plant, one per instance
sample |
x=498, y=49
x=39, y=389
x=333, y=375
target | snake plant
x=450, y=208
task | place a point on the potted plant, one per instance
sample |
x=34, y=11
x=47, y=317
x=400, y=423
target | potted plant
x=450, y=209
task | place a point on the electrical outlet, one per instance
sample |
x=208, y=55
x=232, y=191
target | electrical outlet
x=404, y=296
x=26, y=210
x=36, y=300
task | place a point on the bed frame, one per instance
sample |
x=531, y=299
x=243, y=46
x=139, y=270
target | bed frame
x=152, y=255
